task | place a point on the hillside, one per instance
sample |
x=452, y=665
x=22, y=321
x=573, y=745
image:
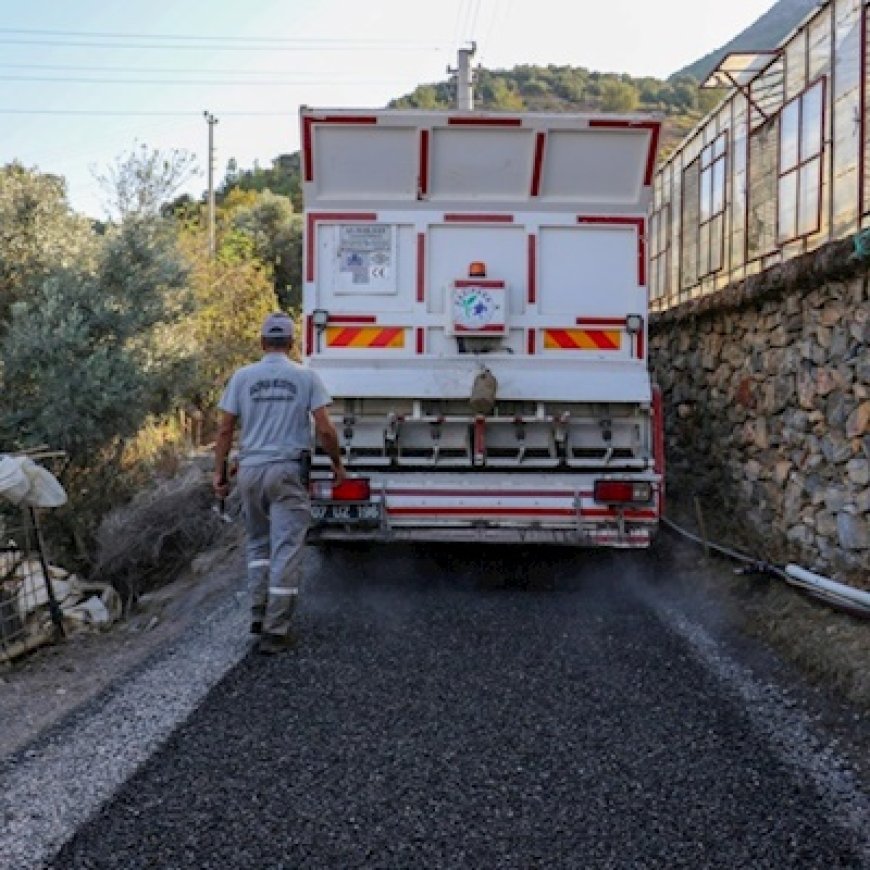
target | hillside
x=575, y=89
x=524, y=88
x=765, y=33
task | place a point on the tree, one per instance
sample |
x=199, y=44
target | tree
x=233, y=293
x=618, y=96
x=38, y=233
x=86, y=359
x=284, y=177
x=81, y=365
x=139, y=183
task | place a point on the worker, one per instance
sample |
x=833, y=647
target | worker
x=274, y=400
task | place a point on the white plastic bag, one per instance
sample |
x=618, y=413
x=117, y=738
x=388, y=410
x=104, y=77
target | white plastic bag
x=45, y=489
x=22, y=481
x=14, y=483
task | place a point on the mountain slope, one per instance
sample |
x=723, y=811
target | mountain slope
x=765, y=33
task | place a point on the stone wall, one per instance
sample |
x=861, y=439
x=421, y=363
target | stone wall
x=767, y=400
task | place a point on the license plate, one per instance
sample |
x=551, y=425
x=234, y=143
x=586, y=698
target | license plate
x=353, y=513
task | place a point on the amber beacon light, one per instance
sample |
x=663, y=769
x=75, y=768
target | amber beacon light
x=477, y=269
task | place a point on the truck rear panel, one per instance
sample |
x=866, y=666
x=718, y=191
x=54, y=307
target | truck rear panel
x=475, y=300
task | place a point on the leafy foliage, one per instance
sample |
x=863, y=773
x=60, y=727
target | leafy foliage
x=80, y=363
x=38, y=233
x=267, y=219
x=283, y=177
x=85, y=361
x=233, y=294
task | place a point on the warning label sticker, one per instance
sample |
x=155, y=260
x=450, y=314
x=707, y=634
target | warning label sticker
x=365, y=258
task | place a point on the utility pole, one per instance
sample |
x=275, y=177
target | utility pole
x=211, y=121
x=464, y=78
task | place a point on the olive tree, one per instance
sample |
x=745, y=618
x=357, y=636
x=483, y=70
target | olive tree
x=39, y=233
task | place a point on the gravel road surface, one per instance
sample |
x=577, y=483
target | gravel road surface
x=428, y=720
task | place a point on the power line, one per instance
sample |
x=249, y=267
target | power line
x=187, y=82
x=145, y=69
x=362, y=45
x=196, y=37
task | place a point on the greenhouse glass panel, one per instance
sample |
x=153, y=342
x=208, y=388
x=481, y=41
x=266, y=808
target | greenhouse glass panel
x=789, y=147
x=808, y=205
x=718, y=187
x=704, y=250
x=706, y=195
x=811, y=121
x=762, y=191
x=689, y=223
x=717, y=242
x=788, y=206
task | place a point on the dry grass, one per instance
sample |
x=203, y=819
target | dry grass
x=150, y=541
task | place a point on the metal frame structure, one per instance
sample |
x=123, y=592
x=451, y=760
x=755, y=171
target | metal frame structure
x=829, y=49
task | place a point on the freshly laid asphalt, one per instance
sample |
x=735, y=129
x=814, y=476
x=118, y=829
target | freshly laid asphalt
x=428, y=719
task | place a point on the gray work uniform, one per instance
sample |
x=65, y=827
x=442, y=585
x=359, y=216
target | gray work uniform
x=273, y=399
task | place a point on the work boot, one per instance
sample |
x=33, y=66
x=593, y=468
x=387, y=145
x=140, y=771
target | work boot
x=272, y=644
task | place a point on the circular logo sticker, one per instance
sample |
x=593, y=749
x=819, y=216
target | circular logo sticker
x=474, y=308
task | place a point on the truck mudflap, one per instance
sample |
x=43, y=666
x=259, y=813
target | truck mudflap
x=558, y=509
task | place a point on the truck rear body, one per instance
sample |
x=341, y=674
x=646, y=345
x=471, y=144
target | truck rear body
x=475, y=301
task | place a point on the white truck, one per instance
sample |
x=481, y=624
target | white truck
x=475, y=300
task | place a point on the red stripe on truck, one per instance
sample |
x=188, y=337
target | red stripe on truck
x=464, y=511
x=532, y=279
x=487, y=493
x=307, y=156
x=481, y=511
x=600, y=321
x=421, y=266
x=478, y=282
x=479, y=218
x=353, y=318
x=470, y=121
x=423, y=176
x=540, y=139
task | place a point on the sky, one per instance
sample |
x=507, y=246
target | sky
x=84, y=82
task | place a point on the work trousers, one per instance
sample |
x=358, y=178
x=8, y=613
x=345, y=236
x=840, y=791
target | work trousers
x=277, y=514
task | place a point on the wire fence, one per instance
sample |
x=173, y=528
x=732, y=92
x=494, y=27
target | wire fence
x=29, y=613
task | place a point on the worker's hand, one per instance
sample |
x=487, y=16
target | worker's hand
x=220, y=485
x=339, y=473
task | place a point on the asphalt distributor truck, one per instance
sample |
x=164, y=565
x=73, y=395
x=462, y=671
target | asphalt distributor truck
x=475, y=300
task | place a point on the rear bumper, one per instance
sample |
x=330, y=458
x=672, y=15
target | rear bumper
x=498, y=508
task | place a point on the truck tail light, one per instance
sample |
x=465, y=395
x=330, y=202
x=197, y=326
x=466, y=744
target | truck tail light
x=622, y=491
x=351, y=489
